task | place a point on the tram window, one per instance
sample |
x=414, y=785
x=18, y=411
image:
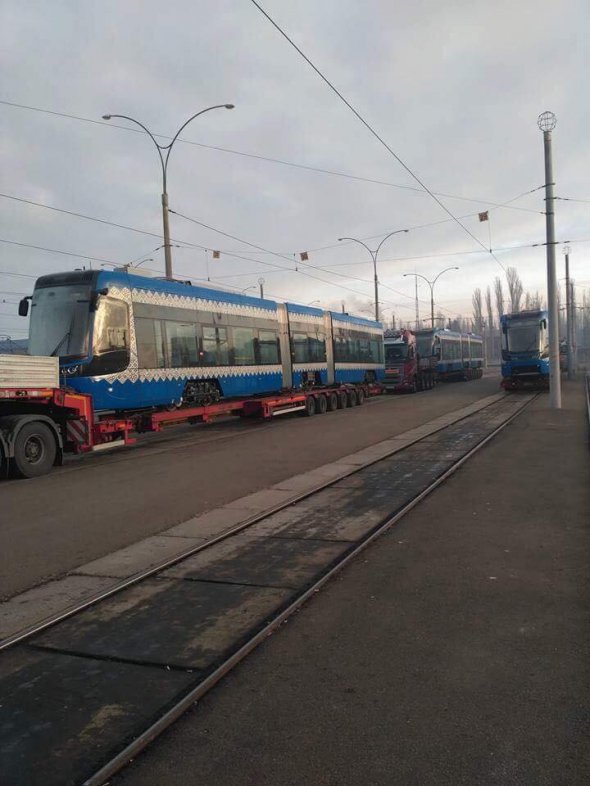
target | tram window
x=316, y=347
x=150, y=346
x=243, y=346
x=376, y=351
x=215, y=347
x=300, y=348
x=340, y=349
x=268, y=349
x=181, y=343
x=111, y=326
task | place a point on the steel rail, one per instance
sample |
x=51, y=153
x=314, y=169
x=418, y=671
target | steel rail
x=136, y=578
x=123, y=758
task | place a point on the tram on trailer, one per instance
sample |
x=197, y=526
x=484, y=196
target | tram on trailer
x=134, y=342
x=459, y=356
x=525, y=349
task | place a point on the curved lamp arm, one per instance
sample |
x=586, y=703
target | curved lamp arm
x=443, y=271
x=396, y=232
x=159, y=148
x=185, y=124
x=419, y=275
x=360, y=242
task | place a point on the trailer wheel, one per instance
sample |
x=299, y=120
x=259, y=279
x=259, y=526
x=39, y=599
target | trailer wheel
x=352, y=398
x=342, y=399
x=360, y=396
x=310, y=407
x=332, y=402
x=321, y=405
x=34, y=451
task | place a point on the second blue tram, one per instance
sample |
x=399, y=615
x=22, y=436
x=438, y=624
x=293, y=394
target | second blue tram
x=134, y=342
x=458, y=356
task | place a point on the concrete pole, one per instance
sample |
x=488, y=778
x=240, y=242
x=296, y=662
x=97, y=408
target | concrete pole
x=261, y=285
x=554, y=374
x=167, y=247
x=374, y=255
x=569, y=333
x=432, y=304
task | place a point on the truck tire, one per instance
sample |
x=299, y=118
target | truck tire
x=34, y=451
x=360, y=396
x=332, y=402
x=310, y=407
x=342, y=400
x=352, y=398
x=321, y=405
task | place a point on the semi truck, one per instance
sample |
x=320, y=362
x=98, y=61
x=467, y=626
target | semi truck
x=405, y=368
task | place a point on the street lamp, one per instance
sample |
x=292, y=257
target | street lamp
x=431, y=285
x=547, y=122
x=164, y=163
x=374, y=258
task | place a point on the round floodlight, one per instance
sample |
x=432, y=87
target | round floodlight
x=547, y=121
x=566, y=250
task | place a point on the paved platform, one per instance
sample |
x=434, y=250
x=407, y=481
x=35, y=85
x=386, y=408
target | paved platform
x=454, y=651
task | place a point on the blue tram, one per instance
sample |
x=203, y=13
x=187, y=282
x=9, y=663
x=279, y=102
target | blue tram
x=525, y=349
x=458, y=356
x=134, y=342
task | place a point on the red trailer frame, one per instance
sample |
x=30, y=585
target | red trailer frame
x=76, y=428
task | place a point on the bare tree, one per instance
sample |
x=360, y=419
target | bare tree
x=514, y=288
x=477, y=310
x=489, y=309
x=499, y=294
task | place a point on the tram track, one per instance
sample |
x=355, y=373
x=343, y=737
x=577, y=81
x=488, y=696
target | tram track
x=219, y=600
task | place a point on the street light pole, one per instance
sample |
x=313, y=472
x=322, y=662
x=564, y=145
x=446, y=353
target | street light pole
x=374, y=258
x=547, y=122
x=164, y=163
x=569, y=316
x=431, y=285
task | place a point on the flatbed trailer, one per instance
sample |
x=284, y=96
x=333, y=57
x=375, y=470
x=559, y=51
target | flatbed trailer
x=39, y=425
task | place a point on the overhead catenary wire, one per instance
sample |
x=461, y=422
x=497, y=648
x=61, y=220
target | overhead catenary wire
x=263, y=158
x=372, y=130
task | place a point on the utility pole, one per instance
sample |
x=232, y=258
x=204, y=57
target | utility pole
x=569, y=315
x=417, y=306
x=261, y=285
x=547, y=122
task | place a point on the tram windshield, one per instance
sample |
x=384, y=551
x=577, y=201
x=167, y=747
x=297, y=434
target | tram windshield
x=522, y=337
x=59, y=321
x=395, y=352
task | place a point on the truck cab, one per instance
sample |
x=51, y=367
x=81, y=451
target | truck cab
x=401, y=369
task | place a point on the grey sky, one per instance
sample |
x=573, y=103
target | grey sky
x=455, y=89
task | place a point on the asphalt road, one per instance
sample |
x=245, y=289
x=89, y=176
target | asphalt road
x=452, y=652
x=96, y=505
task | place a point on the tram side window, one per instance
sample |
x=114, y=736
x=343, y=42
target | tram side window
x=340, y=349
x=150, y=344
x=215, y=347
x=181, y=341
x=243, y=346
x=376, y=351
x=268, y=348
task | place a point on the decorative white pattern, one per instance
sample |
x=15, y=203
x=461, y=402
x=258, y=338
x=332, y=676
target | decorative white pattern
x=200, y=304
x=310, y=319
x=160, y=374
x=310, y=366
